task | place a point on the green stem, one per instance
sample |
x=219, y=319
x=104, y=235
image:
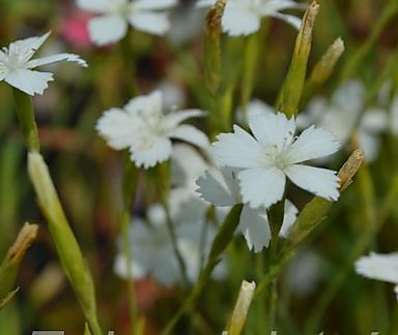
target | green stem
x=130, y=174
x=66, y=244
x=26, y=117
x=220, y=243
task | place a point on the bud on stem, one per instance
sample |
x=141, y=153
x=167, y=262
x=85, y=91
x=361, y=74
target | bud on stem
x=67, y=247
x=242, y=306
x=292, y=89
x=10, y=265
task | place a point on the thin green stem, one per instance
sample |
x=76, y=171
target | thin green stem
x=26, y=117
x=130, y=174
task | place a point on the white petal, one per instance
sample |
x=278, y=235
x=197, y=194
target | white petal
x=3, y=71
x=191, y=135
x=374, y=120
x=175, y=118
x=153, y=23
x=159, y=151
x=31, y=43
x=379, y=266
x=56, y=59
x=107, y=29
x=289, y=218
x=262, y=187
x=322, y=182
x=238, y=149
x=117, y=128
x=154, y=4
x=278, y=5
x=205, y=3
x=311, y=144
x=213, y=189
x=28, y=81
x=255, y=228
x=239, y=21
x=295, y=22
x=120, y=268
x=272, y=129
x=150, y=103
x=98, y=6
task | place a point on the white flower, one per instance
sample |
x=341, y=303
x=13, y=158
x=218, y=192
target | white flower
x=273, y=153
x=186, y=166
x=221, y=188
x=382, y=267
x=243, y=17
x=16, y=65
x=152, y=252
x=345, y=115
x=142, y=127
x=115, y=15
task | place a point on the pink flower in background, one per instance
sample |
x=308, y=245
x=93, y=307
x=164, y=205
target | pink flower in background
x=74, y=29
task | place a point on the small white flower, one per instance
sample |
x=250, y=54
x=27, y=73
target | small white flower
x=16, y=65
x=273, y=153
x=153, y=254
x=187, y=164
x=142, y=127
x=345, y=114
x=221, y=188
x=115, y=15
x=243, y=17
x=382, y=267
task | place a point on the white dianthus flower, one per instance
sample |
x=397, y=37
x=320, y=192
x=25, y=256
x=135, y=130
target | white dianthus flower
x=143, y=128
x=111, y=24
x=243, y=17
x=16, y=65
x=274, y=153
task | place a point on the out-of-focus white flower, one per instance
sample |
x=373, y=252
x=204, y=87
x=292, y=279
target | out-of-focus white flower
x=345, y=114
x=273, y=154
x=173, y=95
x=187, y=164
x=221, y=188
x=16, y=65
x=187, y=24
x=382, y=267
x=143, y=128
x=243, y=17
x=115, y=15
x=152, y=250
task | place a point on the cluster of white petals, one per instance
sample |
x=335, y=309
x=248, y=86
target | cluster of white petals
x=221, y=188
x=382, y=267
x=272, y=153
x=345, y=114
x=243, y=17
x=152, y=249
x=143, y=128
x=114, y=17
x=17, y=66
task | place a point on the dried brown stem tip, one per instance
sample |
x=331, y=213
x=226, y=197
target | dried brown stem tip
x=213, y=19
x=350, y=168
x=24, y=240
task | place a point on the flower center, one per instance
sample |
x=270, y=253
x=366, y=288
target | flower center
x=276, y=157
